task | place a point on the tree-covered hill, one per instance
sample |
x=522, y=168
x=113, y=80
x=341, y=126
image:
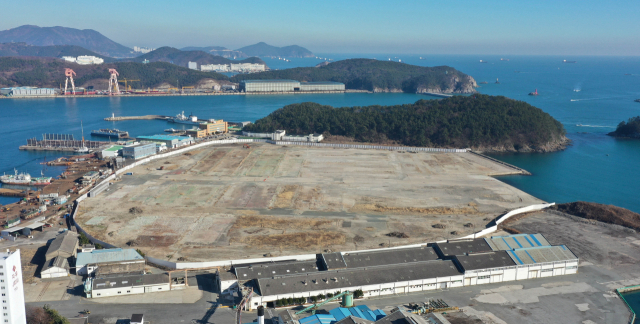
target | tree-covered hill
x=182, y=58
x=482, y=122
x=630, y=128
x=23, y=49
x=49, y=72
x=378, y=76
x=264, y=49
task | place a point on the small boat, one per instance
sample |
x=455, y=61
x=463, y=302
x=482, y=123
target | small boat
x=535, y=93
x=481, y=61
x=579, y=125
x=504, y=59
x=173, y=130
x=497, y=82
x=565, y=61
x=576, y=90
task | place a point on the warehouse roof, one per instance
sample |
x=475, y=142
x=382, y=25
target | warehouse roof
x=352, y=320
x=321, y=82
x=393, y=256
x=57, y=262
x=114, y=148
x=517, y=241
x=269, y=81
x=130, y=281
x=400, y=317
x=488, y=260
x=541, y=254
x=460, y=247
x=338, y=279
x=107, y=255
x=275, y=269
x=165, y=137
x=334, y=260
x=65, y=242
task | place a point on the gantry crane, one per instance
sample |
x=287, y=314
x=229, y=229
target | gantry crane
x=113, y=82
x=68, y=73
x=125, y=80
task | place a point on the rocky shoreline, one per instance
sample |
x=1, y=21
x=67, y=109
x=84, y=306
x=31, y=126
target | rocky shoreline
x=553, y=146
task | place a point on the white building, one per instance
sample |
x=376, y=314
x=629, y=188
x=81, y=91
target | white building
x=126, y=285
x=55, y=268
x=88, y=60
x=215, y=67
x=234, y=67
x=193, y=65
x=143, y=50
x=13, y=310
x=69, y=59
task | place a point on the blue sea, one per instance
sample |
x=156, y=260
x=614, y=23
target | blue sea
x=595, y=168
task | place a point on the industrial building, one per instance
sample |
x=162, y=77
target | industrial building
x=322, y=86
x=234, y=67
x=215, y=126
x=13, y=308
x=168, y=140
x=110, y=261
x=111, y=152
x=55, y=268
x=281, y=135
x=84, y=59
x=27, y=92
x=139, y=150
x=196, y=132
x=425, y=267
x=126, y=285
x=193, y=65
x=288, y=86
x=65, y=245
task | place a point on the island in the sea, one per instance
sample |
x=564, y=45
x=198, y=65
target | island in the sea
x=481, y=122
x=377, y=76
x=629, y=129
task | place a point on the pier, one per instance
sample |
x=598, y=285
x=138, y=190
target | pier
x=146, y=117
x=12, y=192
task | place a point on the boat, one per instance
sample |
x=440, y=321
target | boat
x=84, y=148
x=24, y=179
x=182, y=119
x=110, y=133
x=497, y=82
x=173, y=130
x=535, y=93
x=504, y=59
x=565, y=61
x=576, y=90
x=481, y=61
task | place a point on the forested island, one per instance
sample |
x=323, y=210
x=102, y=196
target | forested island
x=377, y=76
x=630, y=128
x=481, y=122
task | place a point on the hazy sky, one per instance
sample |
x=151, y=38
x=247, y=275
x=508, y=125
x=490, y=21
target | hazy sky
x=347, y=26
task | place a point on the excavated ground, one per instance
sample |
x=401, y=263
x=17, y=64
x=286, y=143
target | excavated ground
x=229, y=202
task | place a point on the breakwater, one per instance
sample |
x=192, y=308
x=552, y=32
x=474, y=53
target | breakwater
x=146, y=117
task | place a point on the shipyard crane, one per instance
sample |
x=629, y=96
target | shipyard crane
x=125, y=80
x=69, y=73
x=113, y=82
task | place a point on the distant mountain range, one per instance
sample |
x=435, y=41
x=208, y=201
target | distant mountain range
x=182, y=58
x=264, y=49
x=217, y=50
x=22, y=49
x=46, y=36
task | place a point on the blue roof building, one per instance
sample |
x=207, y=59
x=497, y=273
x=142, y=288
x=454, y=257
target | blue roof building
x=340, y=313
x=87, y=262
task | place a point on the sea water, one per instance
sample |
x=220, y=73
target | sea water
x=595, y=168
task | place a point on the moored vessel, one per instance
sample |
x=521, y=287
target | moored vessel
x=182, y=119
x=24, y=179
x=106, y=132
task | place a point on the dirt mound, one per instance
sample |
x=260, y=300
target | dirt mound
x=602, y=213
x=299, y=240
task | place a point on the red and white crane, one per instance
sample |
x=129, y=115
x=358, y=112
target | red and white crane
x=68, y=73
x=113, y=82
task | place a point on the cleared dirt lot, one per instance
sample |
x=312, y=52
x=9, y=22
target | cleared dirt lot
x=232, y=202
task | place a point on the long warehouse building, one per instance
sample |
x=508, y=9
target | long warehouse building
x=427, y=267
x=288, y=86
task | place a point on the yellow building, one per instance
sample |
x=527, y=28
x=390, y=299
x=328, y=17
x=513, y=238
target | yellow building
x=215, y=126
x=197, y=132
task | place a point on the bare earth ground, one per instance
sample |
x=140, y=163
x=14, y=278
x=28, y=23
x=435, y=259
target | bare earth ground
x=229, y=202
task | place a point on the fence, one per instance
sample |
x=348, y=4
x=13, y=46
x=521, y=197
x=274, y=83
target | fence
x=373, y=147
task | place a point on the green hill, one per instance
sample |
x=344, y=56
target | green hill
x=630, y=128
x=482, y=122
x=264, y=49
x=22, y=49
x=182, y=58
x=377, y=76
x=49, y=72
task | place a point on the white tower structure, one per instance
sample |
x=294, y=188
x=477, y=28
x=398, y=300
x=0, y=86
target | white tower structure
x=69, y=77
x=113, y=82
x=12, y=300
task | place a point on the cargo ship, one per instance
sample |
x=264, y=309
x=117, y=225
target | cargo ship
x=24, y=179
x=182, y=119
x=110, y=133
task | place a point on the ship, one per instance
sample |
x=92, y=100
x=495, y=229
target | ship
x=481, y=61
x=535, y=93
x=106, y=132
x=497, y=81
x=504, y=59
x=24, y=179
x=565, y=61
x=182, y=119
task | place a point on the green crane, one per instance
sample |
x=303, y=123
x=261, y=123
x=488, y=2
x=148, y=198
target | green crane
x=347, y=301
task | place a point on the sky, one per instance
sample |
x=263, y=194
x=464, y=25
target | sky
x=405, y=27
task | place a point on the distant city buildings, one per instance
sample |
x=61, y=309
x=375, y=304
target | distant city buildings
x=239, y=67
x=84, y=59
x=193, y=65
x=143, y=50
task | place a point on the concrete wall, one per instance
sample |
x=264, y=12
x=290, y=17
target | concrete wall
x=110, y=292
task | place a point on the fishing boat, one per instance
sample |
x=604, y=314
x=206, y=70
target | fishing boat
x=535, y=93
x=182, y=119
x=106, y=132
x=24, y=179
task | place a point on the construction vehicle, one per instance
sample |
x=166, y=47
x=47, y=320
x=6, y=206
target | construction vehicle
x=246, y=146
x=347, y=302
